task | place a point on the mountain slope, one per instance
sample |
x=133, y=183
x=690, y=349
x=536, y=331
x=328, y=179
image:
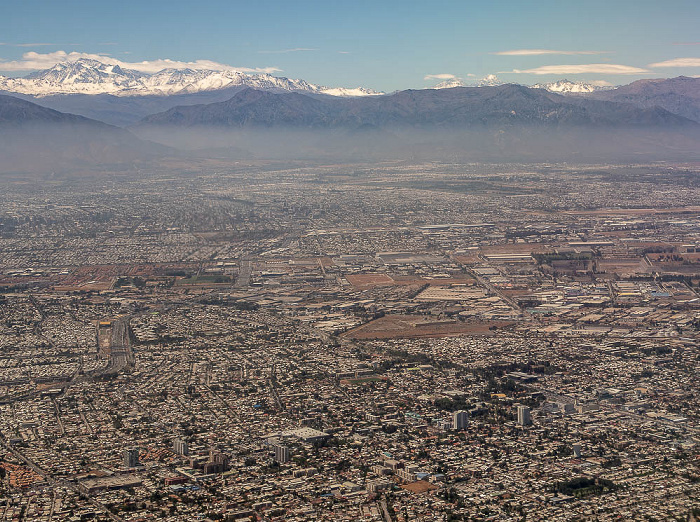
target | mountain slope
x=251, y=107
x=37, y=139
x=679, y=95
x=125, y=110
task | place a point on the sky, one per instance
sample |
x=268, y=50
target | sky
x=384, y=45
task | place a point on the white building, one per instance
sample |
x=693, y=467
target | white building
x=460, y=419
x=180, y=447
x=281, y=454
x=524, y=417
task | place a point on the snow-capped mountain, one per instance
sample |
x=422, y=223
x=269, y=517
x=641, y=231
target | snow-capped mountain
x=86, y=76
x=569, y=87
x=490, y=80
x=451, y=83
x=487, y=81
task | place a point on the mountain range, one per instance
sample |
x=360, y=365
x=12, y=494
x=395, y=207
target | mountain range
x=119, y=96
x=501, y=123
x=268, y=117
x=87, y=76
x=473, y=107
x=123, y=97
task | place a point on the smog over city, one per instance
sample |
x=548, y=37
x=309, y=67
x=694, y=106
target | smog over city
x=370, y=261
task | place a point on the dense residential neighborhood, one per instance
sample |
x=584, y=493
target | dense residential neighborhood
x=395, y=342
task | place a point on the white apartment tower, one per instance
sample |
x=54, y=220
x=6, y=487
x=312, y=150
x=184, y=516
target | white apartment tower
x=460, y=419
x=524, y=417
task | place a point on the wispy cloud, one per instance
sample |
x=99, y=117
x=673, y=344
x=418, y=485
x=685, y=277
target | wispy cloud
x=678, y=62
x=439, y=77
x=33, y=61
x=591, y=68
x=285, y=51
x=7, y=44
x=539, y=52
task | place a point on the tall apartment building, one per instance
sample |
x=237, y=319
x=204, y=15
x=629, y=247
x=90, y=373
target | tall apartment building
x=524, y=417
x=460, y=419
x=131, y=457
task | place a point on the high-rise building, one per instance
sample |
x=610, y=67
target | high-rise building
x=180, y=447
x=577, y=451
x=524, y=417
x=281, y=454
x=460, y=419
x=131, y=457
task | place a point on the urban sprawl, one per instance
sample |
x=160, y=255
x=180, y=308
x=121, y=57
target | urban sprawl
x=386, y=342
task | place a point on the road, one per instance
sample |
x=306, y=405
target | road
x=244, y=271
x=58, y=417
x=495, y=291
x=120, y=353
x=385, y=511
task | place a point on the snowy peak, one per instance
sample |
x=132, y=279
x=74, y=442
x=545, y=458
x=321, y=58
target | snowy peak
x=81, y=76
x=85, y=76
x=83, y=71
x=490, y=80
x=487, y=81
x=451, y=84
x=343, y=92
x=569, y=87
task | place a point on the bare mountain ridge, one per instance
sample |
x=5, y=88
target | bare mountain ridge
x=507, y=105
x=503, y=123
x=679, y=95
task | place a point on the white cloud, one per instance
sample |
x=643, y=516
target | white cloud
x=601, y=83
x=439, y=77
x=538, y=52
x=591, y=68
x=285, y=51
x=678, y=62
x=33, y=61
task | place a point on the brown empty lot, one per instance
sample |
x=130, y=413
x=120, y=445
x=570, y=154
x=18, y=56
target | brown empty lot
x=366, y=281
x=369, y=280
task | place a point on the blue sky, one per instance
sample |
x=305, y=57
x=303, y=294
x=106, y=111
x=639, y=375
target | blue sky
x=385, y=45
